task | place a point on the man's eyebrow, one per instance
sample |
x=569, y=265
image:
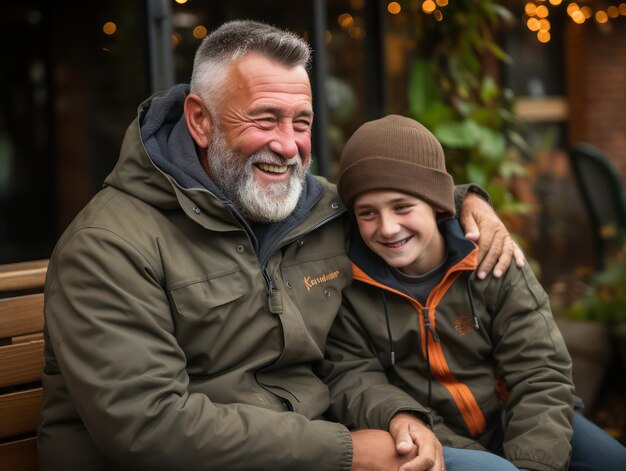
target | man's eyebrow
x=279, y=112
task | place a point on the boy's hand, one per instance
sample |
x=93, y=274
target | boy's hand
x=413, y=436
x=482, y=225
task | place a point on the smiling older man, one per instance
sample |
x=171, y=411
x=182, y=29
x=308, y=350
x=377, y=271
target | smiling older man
x=180, y=330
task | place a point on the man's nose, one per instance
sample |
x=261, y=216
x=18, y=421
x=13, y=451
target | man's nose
x=284, y=141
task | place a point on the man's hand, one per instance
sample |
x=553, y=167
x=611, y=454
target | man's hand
x=375, y=450
x=482, y=225
x=412, y=435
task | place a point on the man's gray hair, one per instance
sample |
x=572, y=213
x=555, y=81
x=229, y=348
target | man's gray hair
x=234, y=39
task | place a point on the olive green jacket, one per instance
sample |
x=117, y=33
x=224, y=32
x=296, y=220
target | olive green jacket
x=499, y=368
x=169, y=345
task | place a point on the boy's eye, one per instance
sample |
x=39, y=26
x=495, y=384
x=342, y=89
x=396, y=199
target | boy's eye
x=366, y=214
x=403, y=207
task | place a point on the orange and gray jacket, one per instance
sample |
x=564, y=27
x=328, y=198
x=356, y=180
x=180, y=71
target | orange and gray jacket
x=485, y=356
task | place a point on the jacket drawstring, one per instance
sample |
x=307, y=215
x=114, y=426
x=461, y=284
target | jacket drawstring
x=429, y=329
x=471, y=302
x=391, y=349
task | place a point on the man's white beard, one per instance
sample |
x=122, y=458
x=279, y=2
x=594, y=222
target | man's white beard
x=234, y=175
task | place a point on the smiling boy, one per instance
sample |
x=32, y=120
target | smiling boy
x=484, y=356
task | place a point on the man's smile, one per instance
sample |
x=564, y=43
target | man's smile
x=272, y=168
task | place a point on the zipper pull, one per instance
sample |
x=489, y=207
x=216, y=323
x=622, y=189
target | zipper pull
x=274, y=297
x=428, y=325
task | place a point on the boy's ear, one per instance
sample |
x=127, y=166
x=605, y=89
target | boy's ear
x=198, y=120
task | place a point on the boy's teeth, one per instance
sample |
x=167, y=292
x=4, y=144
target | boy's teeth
x=273, y=168
x=397, y=244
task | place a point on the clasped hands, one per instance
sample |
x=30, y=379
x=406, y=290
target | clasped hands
x=408, y=446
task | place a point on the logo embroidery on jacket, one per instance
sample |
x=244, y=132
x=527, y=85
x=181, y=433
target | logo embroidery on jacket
x=311, y=282
x=463, y=324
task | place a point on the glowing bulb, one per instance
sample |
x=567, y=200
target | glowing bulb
x=199, y=32
x=109, y=28
x=542, y=11
x=533, y=24
x=602, y=17
x=543, y=36
x=394, y=8
x=428, y=6
x=587, y=12
x=345, y=20
x=578, y=17
x=571, y=8
x=530, y=9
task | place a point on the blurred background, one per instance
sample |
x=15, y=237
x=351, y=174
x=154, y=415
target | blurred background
x=528, y=98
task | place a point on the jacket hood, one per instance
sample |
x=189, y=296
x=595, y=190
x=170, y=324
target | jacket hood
x=158, y=161
x=158, y=152
x=457, y=246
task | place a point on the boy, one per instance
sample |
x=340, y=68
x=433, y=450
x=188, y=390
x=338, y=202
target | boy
x=485, y=356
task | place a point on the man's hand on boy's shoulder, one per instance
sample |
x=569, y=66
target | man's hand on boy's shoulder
x=496, y=248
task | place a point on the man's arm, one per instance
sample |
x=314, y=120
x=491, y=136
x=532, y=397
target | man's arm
x=113, y=336
x=496, y=248
x=406, y=448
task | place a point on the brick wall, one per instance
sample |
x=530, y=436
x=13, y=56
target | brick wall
x=596, y=87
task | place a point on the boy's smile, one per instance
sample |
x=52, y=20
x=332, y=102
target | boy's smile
x=401, y=229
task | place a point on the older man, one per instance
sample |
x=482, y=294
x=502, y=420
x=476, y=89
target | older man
x=187, y=302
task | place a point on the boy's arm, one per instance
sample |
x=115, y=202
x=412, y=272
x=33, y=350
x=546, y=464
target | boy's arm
x=482, y=225
x=361, y=396
x=532, y=359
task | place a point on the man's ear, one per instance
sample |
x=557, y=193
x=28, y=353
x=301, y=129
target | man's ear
x=198, y=120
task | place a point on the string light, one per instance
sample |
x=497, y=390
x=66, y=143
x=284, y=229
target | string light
x=431, y=7
x=537, y=12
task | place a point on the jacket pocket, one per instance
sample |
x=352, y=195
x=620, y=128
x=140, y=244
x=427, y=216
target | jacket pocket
x=197, y=298
x=205, y=317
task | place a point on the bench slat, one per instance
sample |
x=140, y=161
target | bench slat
x=21, y=363
x=21, y=315
x=19, y=412
x=20, y=455
x=23, y=275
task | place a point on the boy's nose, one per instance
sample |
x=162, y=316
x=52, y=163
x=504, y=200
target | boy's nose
x=388, y=226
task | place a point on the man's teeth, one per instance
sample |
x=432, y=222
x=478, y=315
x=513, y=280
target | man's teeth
x=273, y=168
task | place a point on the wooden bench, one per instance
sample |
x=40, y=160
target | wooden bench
x=21, y=362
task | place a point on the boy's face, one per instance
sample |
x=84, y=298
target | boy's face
x=401, y=229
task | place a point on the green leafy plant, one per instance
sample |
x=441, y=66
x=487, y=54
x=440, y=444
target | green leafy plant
x=604, y=297
x=454, y=92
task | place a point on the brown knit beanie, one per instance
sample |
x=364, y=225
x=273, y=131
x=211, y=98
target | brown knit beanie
x=395, y=153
